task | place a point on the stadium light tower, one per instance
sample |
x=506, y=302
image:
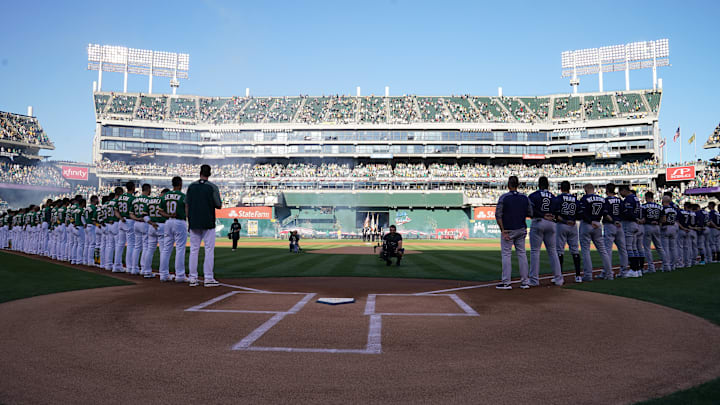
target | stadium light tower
x=616, y=58
x=120, y=59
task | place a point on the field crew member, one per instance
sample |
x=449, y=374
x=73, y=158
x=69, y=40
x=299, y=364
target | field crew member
x=510, y=213
x=612, y=227
x=174, y=209
x=592, y=208
x=542, y=230
x=669, y=234
x=565, y=208
x=126, y=230
x=630, y=214
x=714, y=225
x=138, y=213
x=652, y=217
x=202, y=199
x=155, y=237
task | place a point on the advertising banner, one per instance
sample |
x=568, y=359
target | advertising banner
x=245, y=213
x=680, y=173
x=252, y=227
x=533, y=156
x=480, y=213
x=75, y=173
x=452, y=233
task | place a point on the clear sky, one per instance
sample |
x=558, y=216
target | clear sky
x=314, y=47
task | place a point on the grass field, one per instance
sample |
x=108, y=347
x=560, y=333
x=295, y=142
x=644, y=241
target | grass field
x=693, y=291
x=475, y=260
x=23, y=277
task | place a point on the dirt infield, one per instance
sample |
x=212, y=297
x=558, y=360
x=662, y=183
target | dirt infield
x=354, y=250
x=544, y=345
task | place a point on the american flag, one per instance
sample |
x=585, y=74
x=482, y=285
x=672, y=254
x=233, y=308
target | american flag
x=677, y=135
x=662, y=143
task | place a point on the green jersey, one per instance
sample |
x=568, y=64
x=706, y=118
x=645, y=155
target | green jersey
x=27, y=217
x=46, y=214
x=100, y=214
x=153, y=204
x=110, y=217
x=38, y=217
x=139, y=206
x=124, y=204
x=173, y=203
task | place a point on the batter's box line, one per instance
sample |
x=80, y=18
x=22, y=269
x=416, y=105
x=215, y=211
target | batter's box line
x=467, y=309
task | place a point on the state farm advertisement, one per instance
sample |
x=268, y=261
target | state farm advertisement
x=245, y=213
x=680, y=173
x=75, y=173
x=480, y=213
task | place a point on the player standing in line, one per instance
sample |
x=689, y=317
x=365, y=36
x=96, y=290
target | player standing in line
x=156, y=229
x=138, y=213
x=612, y=228
x=708, y=243
x=62, y=230
x=542, y=230
x=173, y=207
x=202, y=199
x=565, y=208
x=592, y=210
x=91, y=231
x=630, y=214
x=669, y=233
x=512, y=209
x=101, y=232
x=80, y=231
x=126, y=230
x=714, y=225
x=114, y=227
x=700, y=226
x=47, y=210
x=684, y=235
x=652, y=217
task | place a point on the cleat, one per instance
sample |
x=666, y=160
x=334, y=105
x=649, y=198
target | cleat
x=149, y=275
x=212, y=283
x=578, y=279
x=503, y=287
x=524, y=286
x=193, y=283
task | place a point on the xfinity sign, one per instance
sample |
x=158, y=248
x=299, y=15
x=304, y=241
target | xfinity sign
x=75, y=173
x=680, y=173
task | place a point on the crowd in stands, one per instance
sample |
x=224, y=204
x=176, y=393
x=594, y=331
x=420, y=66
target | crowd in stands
x=714, y=138
x=379, y=170
x=710, y=177
x=21, y=128
x=34, y=175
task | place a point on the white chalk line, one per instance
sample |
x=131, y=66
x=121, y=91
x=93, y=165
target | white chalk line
x=517, y=281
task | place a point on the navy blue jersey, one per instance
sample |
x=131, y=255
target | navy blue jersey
x=671, y=214
x=565, y=206
x=512, y=208
x=715, y=217
x=701, y=218
x=541, y=203
x=651, y=213
x=592, y=207
x=613, y=207
x=687, y=218
x=632, y=209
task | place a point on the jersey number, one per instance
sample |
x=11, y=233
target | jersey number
x=171, y=207
x=596, y=208
x=545, y=205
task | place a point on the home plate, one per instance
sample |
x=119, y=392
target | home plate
x=336, y=301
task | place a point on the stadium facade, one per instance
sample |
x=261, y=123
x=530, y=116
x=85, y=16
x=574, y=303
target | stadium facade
x=602, y=128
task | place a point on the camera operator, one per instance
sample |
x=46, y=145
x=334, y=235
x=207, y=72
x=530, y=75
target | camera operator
x=392, y=246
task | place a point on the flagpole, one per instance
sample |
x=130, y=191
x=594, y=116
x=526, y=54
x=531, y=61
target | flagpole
x=695, y=145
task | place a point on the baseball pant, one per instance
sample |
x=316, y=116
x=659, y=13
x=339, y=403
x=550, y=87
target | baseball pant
x=692, y=249
x=670, y=244
x=130, y=250
x=715, y=240
x=708, y=245
x=80, y=244
x=176, y=233
x=62, y=242
x=700, y=250
x=196, y=237
x=153, y=239
x=111, y=247
x=614, y=234
x=517, y=239
x=684, y=246
x=543, y=231
x=588, y=234
x=566, y=234
x=631, y=230
x=90, y=235
x=139, y=237
x=652, y=235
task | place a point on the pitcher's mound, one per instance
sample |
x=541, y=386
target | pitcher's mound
x=354, y=250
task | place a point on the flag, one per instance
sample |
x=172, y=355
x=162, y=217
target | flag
x=366, y=224
x=677, y=135
x=692, y=138
x=662, y=143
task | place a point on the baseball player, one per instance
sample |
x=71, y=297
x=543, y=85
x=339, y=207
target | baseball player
x=612, y=228
x=202, y=199
x=700, y=227
x=90, y=221
x=714, y=225
x=652, y=217
x=139, y=214
x=101, y=232
x=126, y=231
x=45, y=227
x=669, y=234
x=592, y=210
x=565, y=208
x=512, y=209
x=172, y=207
x=630, y=214
x=708, y=243
x=113, y=220
x=80, y=231
x=155, y=237
x=688, y=225
x=542, y=230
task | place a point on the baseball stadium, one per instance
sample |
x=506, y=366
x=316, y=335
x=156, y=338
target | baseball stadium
x=534, y=247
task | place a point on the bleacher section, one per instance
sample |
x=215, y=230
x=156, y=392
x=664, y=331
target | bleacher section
x=567, y=107
x=714, y=139
x=22, y=129
x=599, y=107
x=348, y=110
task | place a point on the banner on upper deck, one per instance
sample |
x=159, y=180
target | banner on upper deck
x=680, y=173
